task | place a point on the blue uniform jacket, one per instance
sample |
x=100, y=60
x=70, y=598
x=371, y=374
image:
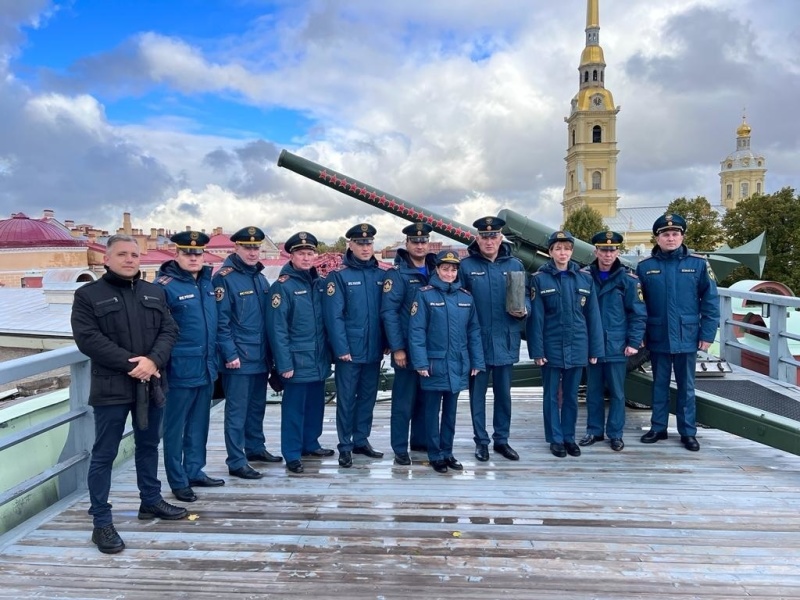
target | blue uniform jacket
x=399, y=289
x=682, y=301
x=352, y=310
x=622, y=309
x=565, y=325
x=191, y=302
x=444, y=336
x=486, y=281
x=295, y=326
x=242, y=293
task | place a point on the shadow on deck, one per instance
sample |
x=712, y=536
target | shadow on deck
x=651, y=521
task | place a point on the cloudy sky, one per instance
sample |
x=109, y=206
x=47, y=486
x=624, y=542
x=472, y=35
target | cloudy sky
x=176, y=111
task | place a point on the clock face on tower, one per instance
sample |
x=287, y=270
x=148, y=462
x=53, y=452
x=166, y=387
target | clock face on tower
x=597, y=101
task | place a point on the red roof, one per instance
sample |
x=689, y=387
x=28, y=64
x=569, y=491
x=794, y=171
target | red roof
x=220, y=240
x=20, y=232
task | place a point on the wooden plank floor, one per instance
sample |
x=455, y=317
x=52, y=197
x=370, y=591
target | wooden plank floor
x=649, y=522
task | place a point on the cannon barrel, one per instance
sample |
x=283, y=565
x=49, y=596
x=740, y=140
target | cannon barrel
x=528, y=238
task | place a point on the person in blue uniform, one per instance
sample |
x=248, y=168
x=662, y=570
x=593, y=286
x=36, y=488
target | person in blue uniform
x=242, y=294
x=483, y=274
x=352, y=322
x=300, y=350
x=444, y=341
x=564, y=334
x=412, y=268
x=192, y=367
x=682, y=318
x=624, y=315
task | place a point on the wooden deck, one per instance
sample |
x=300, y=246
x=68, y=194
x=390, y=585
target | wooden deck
x=649, y=522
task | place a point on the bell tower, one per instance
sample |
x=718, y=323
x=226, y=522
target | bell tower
x=742, y=173
x=592, y=131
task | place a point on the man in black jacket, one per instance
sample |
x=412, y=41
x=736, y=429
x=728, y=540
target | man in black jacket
x=122, y=323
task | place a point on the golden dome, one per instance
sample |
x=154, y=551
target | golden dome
x=592, y=55
x=584, y=100
x=744, y=129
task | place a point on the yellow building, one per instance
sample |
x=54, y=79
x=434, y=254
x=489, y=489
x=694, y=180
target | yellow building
x=742, y=173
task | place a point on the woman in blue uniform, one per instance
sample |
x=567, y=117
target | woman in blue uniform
x=445, y=346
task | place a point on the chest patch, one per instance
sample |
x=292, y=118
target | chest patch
x=219, y=293
x=186, y=297
x=653, y=272
x=276, y=300
x=331, y=288
x=387, y=286
x=246, y=293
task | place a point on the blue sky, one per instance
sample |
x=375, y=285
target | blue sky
x=176, y=110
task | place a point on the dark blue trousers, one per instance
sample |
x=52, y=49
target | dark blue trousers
x=501, y=419
x=440, y=432
x=407, y=406
x=109, y=425
x=685, y=407
x=600, y=376
x=559, y=423
x=186, y=419
x=356, y=391
x=302, y=411
x=245, y=405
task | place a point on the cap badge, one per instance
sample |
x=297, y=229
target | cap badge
x=193, y=235
x=364, y=227
x=303, y=235
x=560, y=234
x=609, y=235
x=251, y=231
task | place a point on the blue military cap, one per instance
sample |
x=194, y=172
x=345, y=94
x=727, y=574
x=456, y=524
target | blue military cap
x=190, y=242
x=418, y=232
x=489, y=226
x=560, y=236
x=447, y=256
x=301, y=240
x=669, y=222
x=363, y=233
x=607, y=239
x=248, y=236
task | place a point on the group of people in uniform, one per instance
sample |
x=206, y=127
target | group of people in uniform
x=448, y=324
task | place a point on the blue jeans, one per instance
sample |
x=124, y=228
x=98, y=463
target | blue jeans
x=109, y=425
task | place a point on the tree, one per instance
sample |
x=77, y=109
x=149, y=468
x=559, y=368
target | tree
x=779, y=215
x=583, y=223
x=703, y=230
x=339, y=246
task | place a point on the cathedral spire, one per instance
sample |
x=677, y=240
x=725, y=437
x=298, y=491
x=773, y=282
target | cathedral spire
x=593, y=63
x=592, y=14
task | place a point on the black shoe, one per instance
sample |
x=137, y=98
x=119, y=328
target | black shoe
x=558, y=450
x=368, y=450
x=207, y=481
x=651, y=437
x=572, y=448
x=245, y=472
x=690, y=443
x=320, y=452
x=264, y=456
x=590, y=439
x=419, y=447
x=482, y=452
x=185, y=494
x=295, y=466
x=440, y=466
x=162, y=510
x=506, y=451
x=617, y=444
x=107, y=539
x=453, y=463
x=402, y=459
x=345, y=459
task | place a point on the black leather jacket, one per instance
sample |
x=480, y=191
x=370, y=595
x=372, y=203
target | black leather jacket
x=113, y=320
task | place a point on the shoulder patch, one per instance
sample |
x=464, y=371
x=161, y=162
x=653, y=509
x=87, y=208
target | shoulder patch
x=283, y=278
x=225, y=271
x=219, y=293
x=414, y=308
x=276, y=300
x=330, y=289
x=387, y=286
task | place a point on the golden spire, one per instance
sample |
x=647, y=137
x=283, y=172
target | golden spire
x=744, y=129
x=592, y=13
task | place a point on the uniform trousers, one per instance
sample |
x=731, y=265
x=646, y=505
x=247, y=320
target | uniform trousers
x=186, y=420
x=559, y=423
x=599, y=377
x=407, y=406
x=245, y=405
x=109, y=425
x=356, y=392
x=440, y=432
x=685, y=408
x=501, y=418
x=302, y=411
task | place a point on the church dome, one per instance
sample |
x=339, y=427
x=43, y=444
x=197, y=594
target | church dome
x=744, y=129
x=21, y=232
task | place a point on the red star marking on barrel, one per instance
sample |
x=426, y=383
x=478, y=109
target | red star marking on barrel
x=382, y=200
x=450, y=228
x=363, y=191
x=459, y=232
x=323, y=174
x=343, y=182
x=401, y=208
x=372, y=196
x=430, y=219
x=439, y=223
x=334, y=179
x=392, y=204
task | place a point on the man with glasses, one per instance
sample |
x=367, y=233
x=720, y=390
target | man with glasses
x=624, y=316
x=242, y=294
x=412, y=268
x=484, y=274
x=351, y=311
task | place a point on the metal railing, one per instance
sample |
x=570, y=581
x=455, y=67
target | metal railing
x=782, y=365
x=73, y=462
